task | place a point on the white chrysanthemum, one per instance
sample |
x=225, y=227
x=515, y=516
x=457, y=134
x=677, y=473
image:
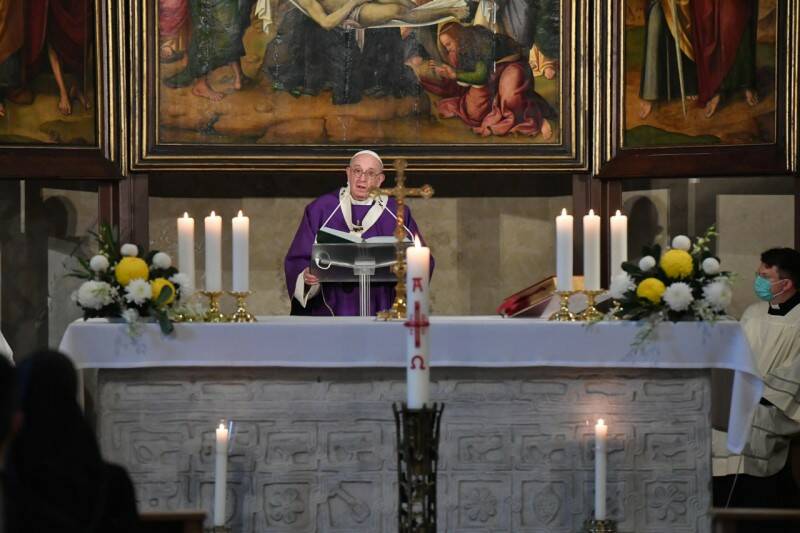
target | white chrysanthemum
x=162, y=260
x=129, y=250
x=710, y=266
x=621, y=284
x=95, y=295
x=130, y=315
x=182, y=280
x=99, y=263
x=678, y=296
x=138, y=291
x=682, y=242
x=718, y=294
x=646, y=263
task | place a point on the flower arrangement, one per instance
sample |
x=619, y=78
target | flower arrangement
x=683, y=283
x=120, y=284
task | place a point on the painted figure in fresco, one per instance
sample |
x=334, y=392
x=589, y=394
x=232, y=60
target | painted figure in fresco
x=217, y=30
x=661, y=75
x=365, y=13
x=12, y=37
x=61, y=28
x=724, y=40
x=173, y=18
x=306, y=59
x=486, y=81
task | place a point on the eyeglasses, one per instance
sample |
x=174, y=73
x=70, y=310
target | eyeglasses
x=370, y=174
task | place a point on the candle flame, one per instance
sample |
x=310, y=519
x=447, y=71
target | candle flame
x=221, y=426
x=213, y=214
x=564, y=212
x=601, y=422
x=618, y=213
x=185, y=214
x=591, y=212
x=240, y=213
x=417, y=244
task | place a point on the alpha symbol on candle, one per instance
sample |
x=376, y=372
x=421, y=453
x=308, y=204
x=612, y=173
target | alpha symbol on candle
x=414, y=362
x=418, y=323
x=417, y=285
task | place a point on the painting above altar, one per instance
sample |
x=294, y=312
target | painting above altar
x=723, y=89
x=340, y=72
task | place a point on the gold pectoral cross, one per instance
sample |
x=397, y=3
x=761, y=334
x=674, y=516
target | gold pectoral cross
x=400, y=193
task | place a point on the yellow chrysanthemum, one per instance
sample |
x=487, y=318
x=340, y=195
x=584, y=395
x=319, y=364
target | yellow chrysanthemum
x=651, y=289
x=677, y=264
x=130, y=268
x=158, y=285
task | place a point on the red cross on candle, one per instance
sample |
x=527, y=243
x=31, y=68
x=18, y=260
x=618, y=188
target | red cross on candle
x=417, y=323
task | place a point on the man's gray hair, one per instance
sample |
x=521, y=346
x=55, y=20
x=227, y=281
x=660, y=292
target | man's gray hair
x=367, y=152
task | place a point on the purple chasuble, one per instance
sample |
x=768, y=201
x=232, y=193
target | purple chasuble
x=341, y=298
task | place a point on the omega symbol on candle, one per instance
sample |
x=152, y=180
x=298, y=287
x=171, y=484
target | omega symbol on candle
x=414, y=362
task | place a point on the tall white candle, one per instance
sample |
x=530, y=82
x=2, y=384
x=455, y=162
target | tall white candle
x=220, y=474
x=591, y=251
x=241, y=253
x=418, y=259
x=186, y=247
x=600, y=439
x=564, y=251
x=213, y=227
x=619, y=242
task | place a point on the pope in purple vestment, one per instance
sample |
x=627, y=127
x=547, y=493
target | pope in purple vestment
x=350, y=210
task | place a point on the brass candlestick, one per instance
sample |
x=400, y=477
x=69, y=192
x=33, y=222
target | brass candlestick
x=600, y=526
x=213, y=314
x=241, y=314
x=400, y=192
x=590, y=314
x=563, y=314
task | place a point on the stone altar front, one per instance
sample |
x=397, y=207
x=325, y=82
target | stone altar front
x=315, y=449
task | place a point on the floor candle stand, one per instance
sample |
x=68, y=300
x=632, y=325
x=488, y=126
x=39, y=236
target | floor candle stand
x=417, y=463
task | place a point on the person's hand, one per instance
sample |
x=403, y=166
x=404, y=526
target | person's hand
x=446, y=71
x=309, y=278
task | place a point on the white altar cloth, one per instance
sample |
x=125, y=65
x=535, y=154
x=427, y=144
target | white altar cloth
x=5, y=349
x=490, y=342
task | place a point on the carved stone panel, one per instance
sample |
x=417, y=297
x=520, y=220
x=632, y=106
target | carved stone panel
x=314, y=450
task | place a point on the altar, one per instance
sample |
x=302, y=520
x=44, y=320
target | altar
x=314, y=445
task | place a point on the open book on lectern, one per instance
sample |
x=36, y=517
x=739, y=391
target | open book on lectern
x=338, y=256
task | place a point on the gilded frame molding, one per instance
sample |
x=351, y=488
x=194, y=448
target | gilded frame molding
x=149, y=154
x=611, y=160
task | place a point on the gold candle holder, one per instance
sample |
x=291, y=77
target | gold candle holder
x=241, y=314
x=600, y=526
x=590, y=314
x=213, y=314
x=563, y=314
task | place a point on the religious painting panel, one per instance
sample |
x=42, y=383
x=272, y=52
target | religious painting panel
x=699, y=79
x=298, y=83
x=58, y=76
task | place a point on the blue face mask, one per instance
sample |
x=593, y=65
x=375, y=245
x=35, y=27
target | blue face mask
x=763, y=288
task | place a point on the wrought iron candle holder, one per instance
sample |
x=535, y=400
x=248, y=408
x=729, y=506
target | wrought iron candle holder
x=417, y=463
x=213, y=314
x=563, y=314
x=600, y=526
x=241, y=314
x=590, y=314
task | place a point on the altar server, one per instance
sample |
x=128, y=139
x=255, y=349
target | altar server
x=350, y=210
x=772, y=327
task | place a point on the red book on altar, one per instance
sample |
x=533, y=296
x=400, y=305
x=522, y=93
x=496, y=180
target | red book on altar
x=532, y=301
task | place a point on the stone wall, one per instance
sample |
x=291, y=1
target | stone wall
x=314, y=450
